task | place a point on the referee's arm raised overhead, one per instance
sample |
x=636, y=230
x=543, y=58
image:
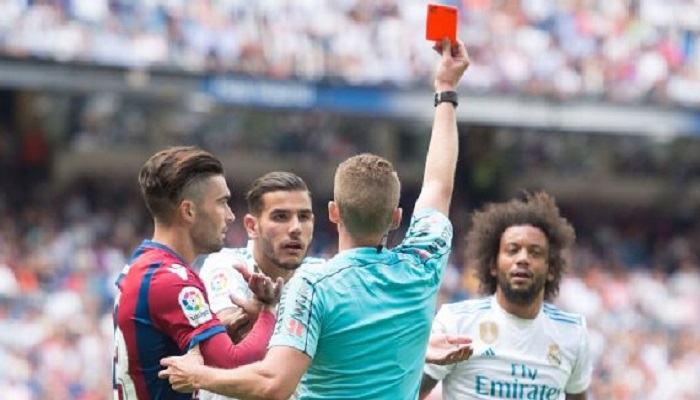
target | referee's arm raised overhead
x=441, y=161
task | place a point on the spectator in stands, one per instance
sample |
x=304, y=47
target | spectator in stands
x=615, y=49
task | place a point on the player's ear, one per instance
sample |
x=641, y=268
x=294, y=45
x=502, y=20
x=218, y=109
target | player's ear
x=333, y=212
x=550, y=273
x=187, y=211
x=251, y=223
x=396, y=219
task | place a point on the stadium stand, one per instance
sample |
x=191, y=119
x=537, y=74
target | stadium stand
x=78, y=115
x=621, y=50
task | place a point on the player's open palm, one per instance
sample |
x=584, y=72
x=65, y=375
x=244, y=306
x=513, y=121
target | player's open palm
x=264, y=289
x=445, y=349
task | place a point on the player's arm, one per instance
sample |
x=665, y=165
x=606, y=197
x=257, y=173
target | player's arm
x=445, y=349
x=291, y=350
x=179, y=308
x=275, y=377
x=580, y=379
x=222, y=280
x=427, y=384
x=239, y=318
x=254, y=346
x=234, y=320
x=219, y=351
x=441, y=161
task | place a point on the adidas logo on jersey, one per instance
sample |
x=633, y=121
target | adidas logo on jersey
x=489, y=353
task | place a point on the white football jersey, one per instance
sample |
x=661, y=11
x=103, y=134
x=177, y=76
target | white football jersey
x=543, y=358
x=221, y=279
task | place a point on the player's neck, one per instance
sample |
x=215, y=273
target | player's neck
x=177, y=240
x=524, y=311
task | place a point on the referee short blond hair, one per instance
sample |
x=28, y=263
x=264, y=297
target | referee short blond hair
x=366, y=190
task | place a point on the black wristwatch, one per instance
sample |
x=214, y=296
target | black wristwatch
x=449, y=96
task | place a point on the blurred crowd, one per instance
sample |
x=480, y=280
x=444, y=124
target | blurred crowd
x=60, y=252
x=578, y=155
x=636, y=281
x=624, y=50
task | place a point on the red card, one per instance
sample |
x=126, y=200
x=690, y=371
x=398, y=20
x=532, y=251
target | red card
x=442, y=22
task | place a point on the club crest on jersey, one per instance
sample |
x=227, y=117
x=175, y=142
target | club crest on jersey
x=178, y=270
x=488, y=332
x=554, y=355
x=194, y=306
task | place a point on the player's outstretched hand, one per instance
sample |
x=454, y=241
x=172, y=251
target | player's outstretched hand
x=249, y=309
x=182, y=372
x=237, y=320
x=263, y=288
x=453, y=63
x=446, y=349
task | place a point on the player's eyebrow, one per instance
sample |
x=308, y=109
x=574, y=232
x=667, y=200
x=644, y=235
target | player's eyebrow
x=295, y=210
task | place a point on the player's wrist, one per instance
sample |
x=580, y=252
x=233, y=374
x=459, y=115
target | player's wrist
x=268, y=308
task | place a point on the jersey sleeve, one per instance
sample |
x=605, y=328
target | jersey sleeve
x=179, y=306
x=299, y=315
x=442, y=324
x=428, y=239
x=221, y=279
x=582, y=371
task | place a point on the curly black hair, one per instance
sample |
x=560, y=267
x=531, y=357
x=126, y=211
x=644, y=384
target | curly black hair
x=489, y=223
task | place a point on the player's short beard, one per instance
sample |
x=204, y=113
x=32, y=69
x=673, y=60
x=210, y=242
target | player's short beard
x=206, y=244
x=279, y=264
x=524, y=296
x=287, y=266
x=269, y=251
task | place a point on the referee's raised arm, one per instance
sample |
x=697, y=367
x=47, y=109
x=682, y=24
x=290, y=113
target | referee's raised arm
x=441, y=161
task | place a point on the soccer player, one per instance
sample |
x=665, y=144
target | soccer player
x=357, y=326
x=162, y=308
x=280, y=224
x=523, y=347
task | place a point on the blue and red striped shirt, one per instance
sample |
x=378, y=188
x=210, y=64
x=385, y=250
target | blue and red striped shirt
x=161, y=310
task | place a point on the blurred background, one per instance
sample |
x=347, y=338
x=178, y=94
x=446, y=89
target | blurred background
x=595, y=101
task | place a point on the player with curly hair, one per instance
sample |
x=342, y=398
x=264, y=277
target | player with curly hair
x=523, y=346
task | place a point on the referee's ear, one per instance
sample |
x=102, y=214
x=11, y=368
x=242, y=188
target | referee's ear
x=396, y=219
x=333, y=212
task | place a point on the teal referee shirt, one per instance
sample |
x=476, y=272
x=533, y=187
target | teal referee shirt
x=364, y=317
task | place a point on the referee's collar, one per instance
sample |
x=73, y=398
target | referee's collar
x=365, y=251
